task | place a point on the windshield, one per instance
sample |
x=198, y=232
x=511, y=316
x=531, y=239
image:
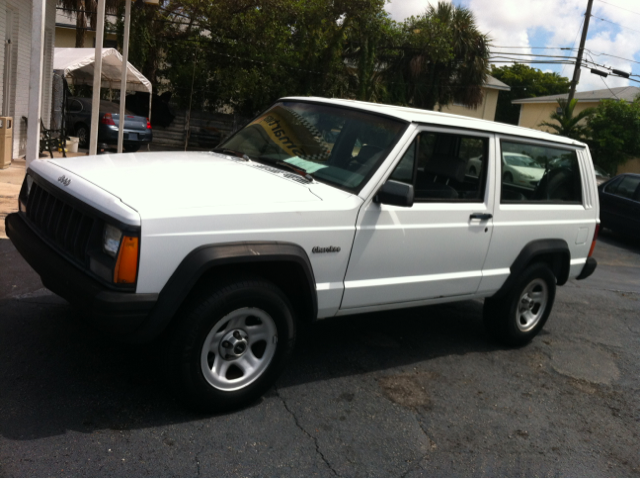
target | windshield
x=335, y=145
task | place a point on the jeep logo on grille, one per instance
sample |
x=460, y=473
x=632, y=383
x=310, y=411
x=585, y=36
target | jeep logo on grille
x=64, y=180
x=325, y=249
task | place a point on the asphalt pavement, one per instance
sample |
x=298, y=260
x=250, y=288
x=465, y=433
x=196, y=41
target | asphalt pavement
x=418, y=392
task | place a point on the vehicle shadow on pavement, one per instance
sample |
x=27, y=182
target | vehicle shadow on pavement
x=372, y=342
x=57, y=374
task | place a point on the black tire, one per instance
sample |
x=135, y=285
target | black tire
x=516, y=318
x=82, y=132
x=507, y=177
x=206, y=316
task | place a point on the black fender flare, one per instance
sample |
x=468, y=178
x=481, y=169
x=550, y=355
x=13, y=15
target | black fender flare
x=535, y=249
x=206, y=257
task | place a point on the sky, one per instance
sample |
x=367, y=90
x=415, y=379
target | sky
x=526, y=25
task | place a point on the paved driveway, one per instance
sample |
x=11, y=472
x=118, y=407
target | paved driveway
x=418, y=392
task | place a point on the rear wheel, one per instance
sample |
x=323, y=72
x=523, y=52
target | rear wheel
x=518, y=317
x=230, y=345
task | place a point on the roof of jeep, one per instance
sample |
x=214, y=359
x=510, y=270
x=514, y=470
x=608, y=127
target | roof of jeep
x=416, y=115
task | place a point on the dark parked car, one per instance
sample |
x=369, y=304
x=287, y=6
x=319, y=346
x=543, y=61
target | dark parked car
x=137, y=129
x=620, y=204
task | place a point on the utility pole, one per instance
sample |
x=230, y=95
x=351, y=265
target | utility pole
x=576, y=70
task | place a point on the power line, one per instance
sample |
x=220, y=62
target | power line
x=568, y=49
x=612, y=56
x=621, y=8
x=534, y=48
x=616, y=24
x=533, y=55
x=534, y=62
x=605, y=84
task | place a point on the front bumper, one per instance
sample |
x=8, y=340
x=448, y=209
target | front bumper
x=118, y=313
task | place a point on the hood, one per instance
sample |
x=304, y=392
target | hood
x=157, y=182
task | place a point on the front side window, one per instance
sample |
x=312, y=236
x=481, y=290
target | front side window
x=339, y=146
x=539, y=174
x=448, y=167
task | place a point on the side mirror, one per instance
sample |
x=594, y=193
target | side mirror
x=395, y=193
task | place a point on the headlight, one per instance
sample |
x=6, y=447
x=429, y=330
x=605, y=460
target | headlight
x=111, y=240
x=118, y=261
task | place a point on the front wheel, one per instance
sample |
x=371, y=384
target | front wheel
x=231, y=343
x=516, y=318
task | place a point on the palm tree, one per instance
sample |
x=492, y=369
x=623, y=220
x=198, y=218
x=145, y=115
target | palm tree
x=85, y=11
x=444, y=59
x=567, y=124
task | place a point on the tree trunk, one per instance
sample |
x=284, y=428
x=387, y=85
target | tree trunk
x=81, y=24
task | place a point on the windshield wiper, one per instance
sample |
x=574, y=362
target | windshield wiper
x=227, y=151
x=296, y=169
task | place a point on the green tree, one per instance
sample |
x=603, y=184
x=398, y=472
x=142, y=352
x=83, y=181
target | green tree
x=615, y=133
x=525, y=82
x=567, y=124
x=367, y=53
x=157, y=32
x=443, y=58
x=245, y=54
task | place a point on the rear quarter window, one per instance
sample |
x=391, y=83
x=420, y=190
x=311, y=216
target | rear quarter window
x=533, y=173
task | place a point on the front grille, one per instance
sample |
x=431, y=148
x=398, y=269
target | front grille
x=60, y=223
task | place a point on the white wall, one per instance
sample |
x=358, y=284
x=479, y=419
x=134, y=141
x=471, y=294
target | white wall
x=21, y=45
x=3, y=30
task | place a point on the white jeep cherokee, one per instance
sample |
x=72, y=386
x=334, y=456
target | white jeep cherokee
x=317, y=208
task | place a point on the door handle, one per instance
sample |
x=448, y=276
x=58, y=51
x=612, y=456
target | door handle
x=481, y=216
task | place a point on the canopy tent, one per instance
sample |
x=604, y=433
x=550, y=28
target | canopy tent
x=77, y=66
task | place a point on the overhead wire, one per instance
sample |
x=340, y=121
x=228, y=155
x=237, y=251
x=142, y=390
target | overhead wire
x=614, y=23
x=617, y=6
x=612, y=92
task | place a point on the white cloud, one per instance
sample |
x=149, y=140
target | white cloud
x=401, y=9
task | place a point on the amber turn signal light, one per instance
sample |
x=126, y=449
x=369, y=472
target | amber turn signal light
x=595, y=237
x=126, y=268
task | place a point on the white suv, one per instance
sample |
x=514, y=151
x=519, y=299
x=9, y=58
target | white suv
x=317, y=208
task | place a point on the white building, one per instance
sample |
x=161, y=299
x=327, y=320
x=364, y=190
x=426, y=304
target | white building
x=15, y=63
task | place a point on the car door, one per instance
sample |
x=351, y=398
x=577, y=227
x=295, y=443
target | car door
x=435, y=248
x=620, y=206
x=608, y=211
